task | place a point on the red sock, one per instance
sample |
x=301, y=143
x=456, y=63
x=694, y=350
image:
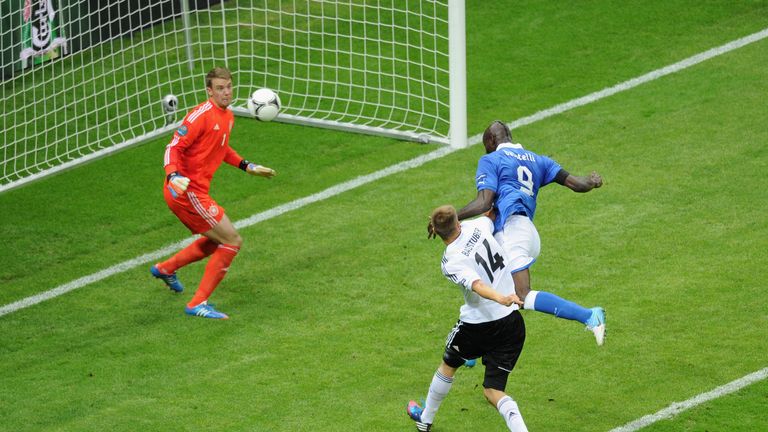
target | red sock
x=198, y=250
x=215, y=271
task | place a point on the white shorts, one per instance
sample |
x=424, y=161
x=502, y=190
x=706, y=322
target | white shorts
x=520, y=241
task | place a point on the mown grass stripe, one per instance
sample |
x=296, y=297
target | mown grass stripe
x=394, y=169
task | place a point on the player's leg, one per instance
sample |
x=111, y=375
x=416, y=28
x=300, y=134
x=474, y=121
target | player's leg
x=521, y=243
x=441, y=384
x=508, y=409
x=196, y=251
x=508, y=337
x=199, y=214
x=228, y=243
x=459, y=339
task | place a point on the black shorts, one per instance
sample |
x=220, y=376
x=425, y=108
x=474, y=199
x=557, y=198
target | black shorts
x=498, y=342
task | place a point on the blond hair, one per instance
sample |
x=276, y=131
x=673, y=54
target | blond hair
x=217, y=72
x=443, y=221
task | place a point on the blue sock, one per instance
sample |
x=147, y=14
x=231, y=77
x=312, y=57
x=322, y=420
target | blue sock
x=549, y=303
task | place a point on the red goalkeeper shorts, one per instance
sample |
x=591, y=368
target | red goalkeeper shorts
x=198, y=211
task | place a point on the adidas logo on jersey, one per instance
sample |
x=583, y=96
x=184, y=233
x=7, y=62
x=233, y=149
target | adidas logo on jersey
x=216, y=127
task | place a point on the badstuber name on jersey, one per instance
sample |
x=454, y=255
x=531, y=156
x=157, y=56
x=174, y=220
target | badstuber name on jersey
x=471, y=242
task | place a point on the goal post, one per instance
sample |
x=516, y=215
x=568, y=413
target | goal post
x=458, y=73
x=394, y=68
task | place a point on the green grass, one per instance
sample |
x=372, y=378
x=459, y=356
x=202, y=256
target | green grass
x=339, y=309
x=739, y=412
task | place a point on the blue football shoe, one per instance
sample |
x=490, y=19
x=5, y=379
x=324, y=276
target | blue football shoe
x=596, y=324
x=206, y=311
x=414, y=412
x=170, y=280
x=470, y=363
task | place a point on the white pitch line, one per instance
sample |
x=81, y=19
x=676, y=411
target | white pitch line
x=394, y=169
x=259, y=217
x=678, y=407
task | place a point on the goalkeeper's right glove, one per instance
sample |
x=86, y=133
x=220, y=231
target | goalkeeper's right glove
x=177, y=184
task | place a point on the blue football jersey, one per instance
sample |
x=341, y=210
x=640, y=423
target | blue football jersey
x=515, y=175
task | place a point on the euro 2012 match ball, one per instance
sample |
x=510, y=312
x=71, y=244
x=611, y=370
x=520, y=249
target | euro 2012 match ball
x=264, y=104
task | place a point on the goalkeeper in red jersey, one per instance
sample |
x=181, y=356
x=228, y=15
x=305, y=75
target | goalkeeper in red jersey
x=197, y=149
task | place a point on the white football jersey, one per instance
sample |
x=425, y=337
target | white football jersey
x=474, y=255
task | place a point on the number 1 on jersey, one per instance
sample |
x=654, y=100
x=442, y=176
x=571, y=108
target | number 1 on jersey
x=496, y=261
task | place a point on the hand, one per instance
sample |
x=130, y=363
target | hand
x=259, y=170
x=431, y=230
x=510, y=300
x=596, y=179
x=177, y=184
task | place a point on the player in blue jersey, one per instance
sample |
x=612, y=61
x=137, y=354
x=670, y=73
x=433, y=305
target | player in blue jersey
x=508, y=181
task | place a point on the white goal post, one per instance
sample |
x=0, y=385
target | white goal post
x=82, y=79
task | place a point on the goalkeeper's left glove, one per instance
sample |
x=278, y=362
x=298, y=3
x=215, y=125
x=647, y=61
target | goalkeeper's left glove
x=257, y=170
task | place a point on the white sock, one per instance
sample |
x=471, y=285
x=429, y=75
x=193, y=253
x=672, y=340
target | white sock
x=438, y=390
x=530, y=300
x=509, y=410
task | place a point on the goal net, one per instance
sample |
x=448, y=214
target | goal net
x=85, y=78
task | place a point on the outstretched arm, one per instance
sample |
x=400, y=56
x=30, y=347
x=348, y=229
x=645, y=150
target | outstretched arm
x=234, y=159
x=484, y=290
x=582, y=183
x=481, y=204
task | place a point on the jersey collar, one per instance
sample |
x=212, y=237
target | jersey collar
x=509, y=145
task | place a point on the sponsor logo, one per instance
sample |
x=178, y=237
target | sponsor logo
x=182, y=130
x=481, y=179
x=40, y=34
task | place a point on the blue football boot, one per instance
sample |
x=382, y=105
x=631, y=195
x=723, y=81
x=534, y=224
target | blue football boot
x=170, y=279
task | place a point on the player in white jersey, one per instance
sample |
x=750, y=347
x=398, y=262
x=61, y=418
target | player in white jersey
x=490, y=324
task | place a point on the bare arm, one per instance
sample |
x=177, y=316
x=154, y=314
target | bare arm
x=485, y=291
x=481, y=204
x=583, y=183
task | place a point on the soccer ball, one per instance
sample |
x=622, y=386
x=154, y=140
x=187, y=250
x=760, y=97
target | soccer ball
x=264, y=104
x=170, y=103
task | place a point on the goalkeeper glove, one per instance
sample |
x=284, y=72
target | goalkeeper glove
x=177, y=184
x=258, y=170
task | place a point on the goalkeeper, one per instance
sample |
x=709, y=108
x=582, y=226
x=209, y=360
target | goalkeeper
x=197, y=149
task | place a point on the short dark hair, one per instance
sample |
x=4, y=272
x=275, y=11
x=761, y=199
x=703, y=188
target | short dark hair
x=495, y=134
x=444, y=220
x=217, y=72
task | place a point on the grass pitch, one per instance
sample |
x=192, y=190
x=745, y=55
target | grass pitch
x=339, y=309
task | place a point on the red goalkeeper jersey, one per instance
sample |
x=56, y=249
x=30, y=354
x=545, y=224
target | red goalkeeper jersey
x=200, y=144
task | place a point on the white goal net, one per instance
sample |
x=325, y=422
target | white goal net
x=85, y=78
